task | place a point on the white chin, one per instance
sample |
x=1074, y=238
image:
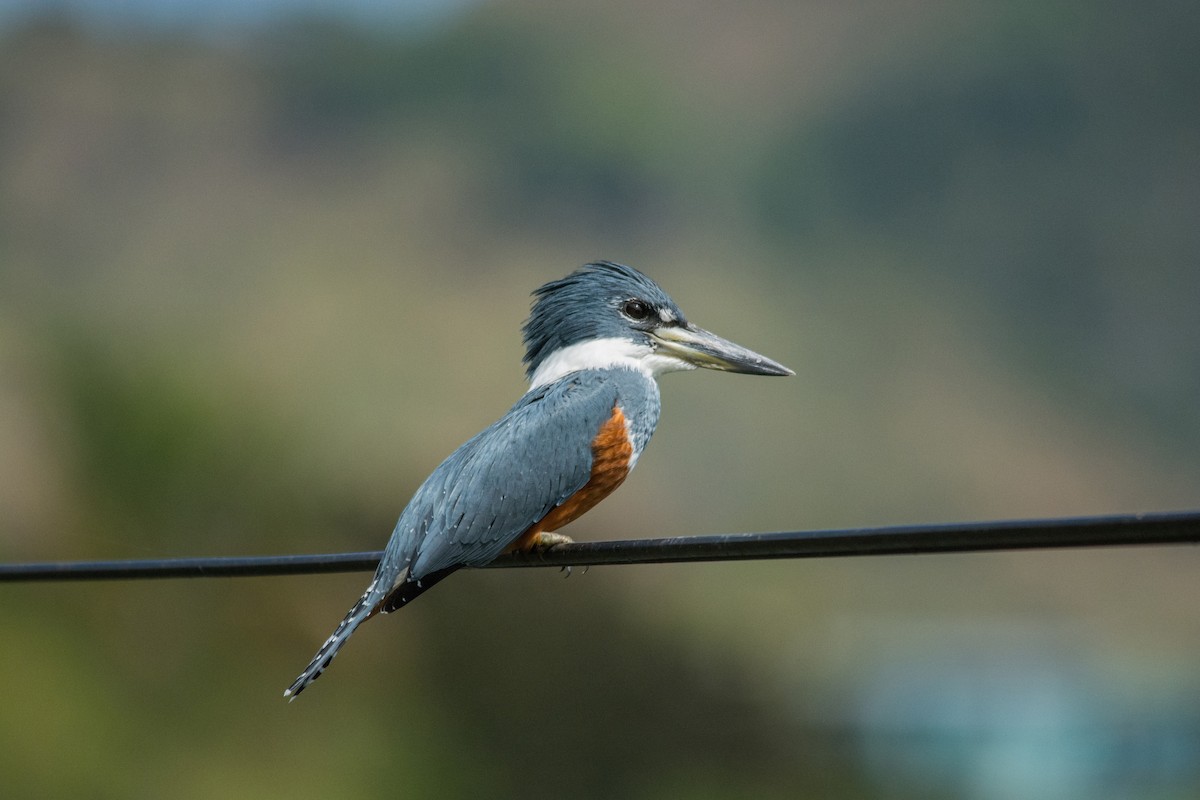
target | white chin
x=606, y=354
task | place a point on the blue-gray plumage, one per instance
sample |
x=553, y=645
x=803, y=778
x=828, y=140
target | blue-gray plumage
x=595, y=342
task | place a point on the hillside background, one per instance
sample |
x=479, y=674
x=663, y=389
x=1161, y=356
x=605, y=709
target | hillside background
x=261, y=270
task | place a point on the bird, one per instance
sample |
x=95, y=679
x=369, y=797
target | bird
x=595, y=343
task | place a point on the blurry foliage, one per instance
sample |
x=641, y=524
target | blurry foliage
x=169, y=456
x=345, y=77
x=888, y=158
x=1042, y=171
x=563, y=138
x=572, y=692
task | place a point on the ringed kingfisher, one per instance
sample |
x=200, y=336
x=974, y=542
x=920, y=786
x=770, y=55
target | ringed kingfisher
x=595, y=342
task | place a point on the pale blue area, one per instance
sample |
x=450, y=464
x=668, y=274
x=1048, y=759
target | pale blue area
x=1010, y=710
x=229, y=16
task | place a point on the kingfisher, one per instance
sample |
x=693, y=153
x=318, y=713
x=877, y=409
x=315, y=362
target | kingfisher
x=595, y=343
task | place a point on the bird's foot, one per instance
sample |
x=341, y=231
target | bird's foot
x=543, y=541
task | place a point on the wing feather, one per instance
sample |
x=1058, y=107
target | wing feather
x=505, y=479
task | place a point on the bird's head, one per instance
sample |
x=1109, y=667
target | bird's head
x=606, y=315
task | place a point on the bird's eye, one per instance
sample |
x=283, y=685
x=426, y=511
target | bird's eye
x=636, y=310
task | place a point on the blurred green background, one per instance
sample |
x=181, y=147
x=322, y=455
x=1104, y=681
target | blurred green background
x=262, y=266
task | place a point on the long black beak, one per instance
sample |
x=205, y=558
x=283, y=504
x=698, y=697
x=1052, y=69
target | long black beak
x=704, y=349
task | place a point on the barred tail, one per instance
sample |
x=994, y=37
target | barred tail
x=363, y=610
x=399, y=592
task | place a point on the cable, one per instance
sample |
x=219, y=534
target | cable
x=215, y=567
x=1110, y=531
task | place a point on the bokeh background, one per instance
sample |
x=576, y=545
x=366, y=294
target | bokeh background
x=263, y=265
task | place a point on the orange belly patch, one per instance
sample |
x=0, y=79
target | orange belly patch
x=611, y=453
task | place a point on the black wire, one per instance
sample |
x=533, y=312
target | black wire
x=214, y=567
x=1140, y=529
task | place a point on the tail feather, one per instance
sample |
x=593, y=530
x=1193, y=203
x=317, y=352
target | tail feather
x=363, y=610
x=397, y=594
x=408, y=591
